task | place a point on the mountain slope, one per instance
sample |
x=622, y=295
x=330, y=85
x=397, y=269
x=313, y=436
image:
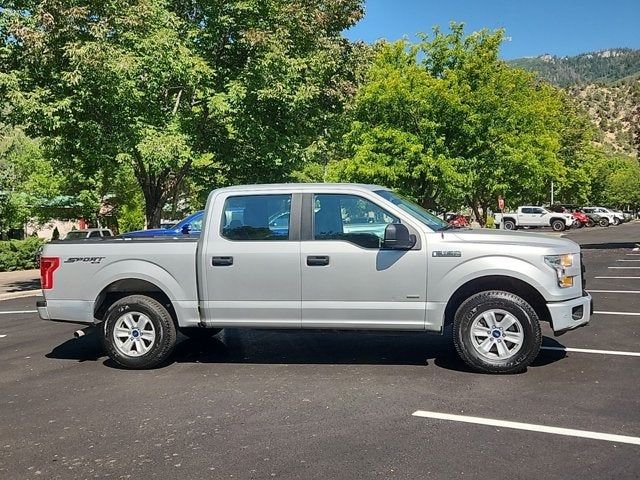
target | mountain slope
x=604, y=67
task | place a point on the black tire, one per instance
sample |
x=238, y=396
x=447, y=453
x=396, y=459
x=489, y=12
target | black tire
x=509, y=224
x=558, y=225
x=199, y=333
x=496, y=300
x=577, y=224
x=603, y=222
x=591, y=223
x=616, y=221
x=164, y=331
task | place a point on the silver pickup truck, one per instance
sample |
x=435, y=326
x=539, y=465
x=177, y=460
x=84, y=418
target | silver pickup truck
x=319, y=256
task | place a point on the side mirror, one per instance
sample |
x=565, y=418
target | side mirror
x=397, y=237
x=186, y=228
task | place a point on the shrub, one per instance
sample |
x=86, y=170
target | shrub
x=19, y=254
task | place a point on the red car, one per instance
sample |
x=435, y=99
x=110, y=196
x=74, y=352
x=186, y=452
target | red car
x=580, y=218
x=456, y=220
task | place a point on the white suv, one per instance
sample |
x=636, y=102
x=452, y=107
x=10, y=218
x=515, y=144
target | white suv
x=613, y=217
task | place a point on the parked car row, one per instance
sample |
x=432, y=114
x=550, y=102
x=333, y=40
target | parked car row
x=559, y=217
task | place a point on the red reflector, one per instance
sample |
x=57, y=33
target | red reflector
x=48, y=265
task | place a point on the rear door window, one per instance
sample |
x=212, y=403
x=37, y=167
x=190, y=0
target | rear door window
x=256, y=218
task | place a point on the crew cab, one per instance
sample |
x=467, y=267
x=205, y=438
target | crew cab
x=319, y=256
x=531, y=216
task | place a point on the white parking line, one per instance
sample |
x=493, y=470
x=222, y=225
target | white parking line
x=627, y=260
x=613, y=291
x=622, y=268
x=632, y=278
x=18, y=311
x=570, y=432
x=588, y=350
x=2, y=336
x=633, y=254
x=617, y=313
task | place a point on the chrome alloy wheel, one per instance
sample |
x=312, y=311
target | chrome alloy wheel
x=134, y=334
x=496, y=334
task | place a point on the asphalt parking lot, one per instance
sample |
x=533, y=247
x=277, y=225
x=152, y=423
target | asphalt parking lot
x=307, y=405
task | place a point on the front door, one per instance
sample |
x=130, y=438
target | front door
x=252, y=262
x=348, y=280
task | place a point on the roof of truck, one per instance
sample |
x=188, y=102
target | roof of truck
x=300, y=186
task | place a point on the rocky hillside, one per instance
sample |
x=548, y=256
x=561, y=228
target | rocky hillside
x=614, y=109
x=605, y=83
x=604, y=67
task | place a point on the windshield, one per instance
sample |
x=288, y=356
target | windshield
x=415, y=210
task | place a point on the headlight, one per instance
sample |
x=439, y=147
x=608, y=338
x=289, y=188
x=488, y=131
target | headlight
x=559, y=263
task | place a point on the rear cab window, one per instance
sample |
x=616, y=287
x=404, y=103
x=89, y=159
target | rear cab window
x=256, y=218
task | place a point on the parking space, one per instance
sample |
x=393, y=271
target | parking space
x=277, y=404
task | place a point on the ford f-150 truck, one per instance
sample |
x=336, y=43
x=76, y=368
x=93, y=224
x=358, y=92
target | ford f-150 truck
x=347, y=257
x=530, y=216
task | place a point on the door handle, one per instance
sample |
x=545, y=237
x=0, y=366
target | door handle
x=221, y=261
x=317, y=260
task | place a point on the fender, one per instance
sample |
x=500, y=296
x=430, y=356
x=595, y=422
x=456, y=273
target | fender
x=443, y=286
x=184, y=303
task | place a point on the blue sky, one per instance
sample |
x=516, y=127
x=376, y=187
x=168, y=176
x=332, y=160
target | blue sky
x=533, y=27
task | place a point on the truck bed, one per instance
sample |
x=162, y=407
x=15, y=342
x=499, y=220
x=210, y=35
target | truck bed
x=89, y=268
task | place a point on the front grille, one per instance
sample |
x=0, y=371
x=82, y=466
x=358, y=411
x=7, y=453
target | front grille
x=583, y=270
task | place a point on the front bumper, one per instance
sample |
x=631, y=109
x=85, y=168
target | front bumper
x=570, y=314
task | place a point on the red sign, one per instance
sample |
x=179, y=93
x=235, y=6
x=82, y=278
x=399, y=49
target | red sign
x=501, y=202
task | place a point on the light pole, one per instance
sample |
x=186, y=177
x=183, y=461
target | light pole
x=551, y=192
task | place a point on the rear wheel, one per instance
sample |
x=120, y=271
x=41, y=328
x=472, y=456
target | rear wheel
x=139, y=332
x=591, y=223
x=616, y=221
x=558, y=225
x=497, y=332
x=577, y=224
x=509, y=224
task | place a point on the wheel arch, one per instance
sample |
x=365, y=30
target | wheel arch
x=125, y=287
x=497, y=282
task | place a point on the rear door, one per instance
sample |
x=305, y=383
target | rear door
x=348, y=280
x=251, y=261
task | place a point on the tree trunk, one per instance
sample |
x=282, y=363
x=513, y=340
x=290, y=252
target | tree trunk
x=482, y=219
x=154, y=202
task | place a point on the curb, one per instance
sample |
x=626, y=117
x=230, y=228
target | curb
x=23, y=294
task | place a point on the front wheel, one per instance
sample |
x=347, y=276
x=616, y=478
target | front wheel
x=591, y=223
x=603, y=222
x=497, y=332
x=616, y=221
x=139, y=332
x=558, y=225
x=577, y=224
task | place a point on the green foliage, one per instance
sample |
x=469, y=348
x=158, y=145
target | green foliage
x=447, y=123
x=239, y=91
x=19, y=254
x=616, y=180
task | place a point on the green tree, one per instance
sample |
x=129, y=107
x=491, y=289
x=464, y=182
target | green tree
x=220, y=91
x=448, y=123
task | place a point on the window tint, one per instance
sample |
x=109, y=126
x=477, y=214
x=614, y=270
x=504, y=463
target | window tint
x=537, y=210
x=350, y=218
x=94, y=234
x=106, y=233
x=527, y=210
x=256, y=217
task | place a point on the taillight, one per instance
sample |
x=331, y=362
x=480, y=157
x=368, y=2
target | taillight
x=48, y=265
